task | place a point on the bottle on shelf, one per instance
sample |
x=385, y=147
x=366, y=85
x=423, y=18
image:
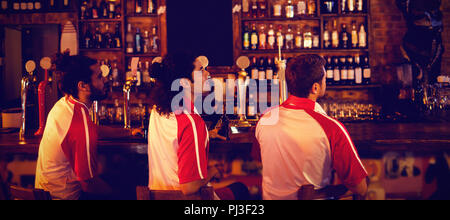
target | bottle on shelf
x=254, y=9
x=146, y=73
x=83, y=9
x=108, y=38
x=358, y=71
x=345, y=44
x=138, y=7
x=351, y=70
x=289, y=39
x=262, y=9
x=246, y=38
x=277, y=8
x=155, y=39
x=115, y=75
x=23, y=5
x=336, y=72
x=329, y=7
x=271, y=38
x=37, y=5
x=329, y=71
x=254, y=68
x=66, y=4
x=87, y=38
x=30, y=5
x=335, y=36
x=117, y=37
x=269, y=69
x=289, y=9
x=298, y=38
x=315, y=38
x=16, y=6
x=151, y=7
x=262, y=38
x=104, y=9
x=367, y=73
x=95, y=10
x=326, y=36
x=359, y=6
x=312, y=7
x=262, y=69
x=344, y=71
x=301, y=8
x=254, y=38
x=280, y=37
x=307, y=38
x=138, y=41
x=344, y=6
x=130, y=40
x=362, y=37
x=246, y=8
x=354, y=35
x=146, y=47
x=111, y=9
x=98, y=38
x=5, y=7
x=139, y=74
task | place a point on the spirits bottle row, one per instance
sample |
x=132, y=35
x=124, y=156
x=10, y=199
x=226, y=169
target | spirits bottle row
x=30, y=6
x=346, y=6
x=112, y=114
x=348, y=70
x=145, y=7
x=343, y=39
x=100, y=9
x=101, y=36
x=262, y=68
x=286, y=37
x=142, y=41
x=143, y=74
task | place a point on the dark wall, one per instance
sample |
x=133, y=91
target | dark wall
x=202, y=27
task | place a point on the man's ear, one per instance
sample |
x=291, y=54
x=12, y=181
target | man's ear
x=83, y=86
x=315, y=88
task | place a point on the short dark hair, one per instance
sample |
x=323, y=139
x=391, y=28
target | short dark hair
x=302, y=72
x=173, y=67
x=74, y=69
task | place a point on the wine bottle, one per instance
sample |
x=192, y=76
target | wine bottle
x=117, y=37
x=262, y=38
x=344, y=71
x=290, y=9
x=254, y=9
x=335, y=36
x=358, y=71
x=344, y=37
x=111, y=10
x=329, y=69
x=254, y=69
x=138, y=41
x=351, y=71
x=151, y=7
x=138, y=7
x=130, y=40
x=298, y=38
x=254, y=38
x=155, y=39
x=367, y=73
x=336, y=72
x=262, y=69
x=354, y=35
x=326, y=36
x=269, y=69
x=271, y=38
x=289, y=39
x=246, y=38
x=362, y=37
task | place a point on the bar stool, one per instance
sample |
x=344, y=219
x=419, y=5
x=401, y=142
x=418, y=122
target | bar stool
x=334, y=192
x=19, y=193
x=143, y=193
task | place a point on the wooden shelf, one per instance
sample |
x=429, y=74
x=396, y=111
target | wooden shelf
x=100, y=20
x=282, y=19
x=345, y=15
x=350, y=87
x=142, y=16
x=247, y=52
x=101, y=50
x=143, y=55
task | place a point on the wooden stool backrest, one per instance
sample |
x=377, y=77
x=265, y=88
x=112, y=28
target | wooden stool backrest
x=19, y=193
x=307, y=192
x=143, y=193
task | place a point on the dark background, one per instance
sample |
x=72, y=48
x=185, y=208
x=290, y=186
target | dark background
x=201, y=27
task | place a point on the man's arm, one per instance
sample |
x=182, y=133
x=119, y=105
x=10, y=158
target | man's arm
x=360, y=188
x=194, y=186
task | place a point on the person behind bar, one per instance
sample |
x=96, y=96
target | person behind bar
x=304, y=146
x=178, y=139
x=67, y=162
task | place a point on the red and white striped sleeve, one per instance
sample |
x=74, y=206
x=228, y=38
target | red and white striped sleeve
x=345, y=158
x=193, y=148
x=80, y=144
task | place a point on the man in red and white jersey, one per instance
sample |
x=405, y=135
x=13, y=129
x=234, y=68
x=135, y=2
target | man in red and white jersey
x=67, y=161
x=300, y=144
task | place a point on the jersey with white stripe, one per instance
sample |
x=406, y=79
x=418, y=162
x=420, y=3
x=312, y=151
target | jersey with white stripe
x=303, y=147
x=68, y=150
x=177, y=150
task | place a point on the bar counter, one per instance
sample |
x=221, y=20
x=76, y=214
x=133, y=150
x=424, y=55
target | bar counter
x=371, y=139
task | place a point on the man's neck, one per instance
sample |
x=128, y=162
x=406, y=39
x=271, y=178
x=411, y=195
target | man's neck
x=85, y=100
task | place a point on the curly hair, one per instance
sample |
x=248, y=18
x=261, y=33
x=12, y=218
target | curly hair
x=74, y=69
x=173, y=67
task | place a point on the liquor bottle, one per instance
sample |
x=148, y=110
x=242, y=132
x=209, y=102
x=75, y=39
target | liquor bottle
x=30, y=5
x=301, y=8
x=345, y=44
x=146, y=73
x=289, y=39
x=66, y=4
x=358, y=71
x=329, y=6
x=98, y=38
x=254, y=38
x=329, y=69
x=246, y=8
x=117, y=37
x=262, y=69
x=87, y=38
x=83, y=9
x=269, y=69
x=351, y=71
x=146, y=39
x=354, y=35
x=307, y=38
x=271, y=38
x=262, y=38
x=95, y=10
x=298, y=38
x=360, y=5
x=312, y=7
x=139, y=73
x=335, y=36
x=16, y=5
x=115, y=75
x=138, y=41
x=23, y=5
x=151, y=6
x=108, y=38
x=138, y=7
x=366, y=71
x=350, y=6
x=4, y=5
x=280, y=37
x=344, y=6
x=130, y=40
x=344, y=71
x=326, y=36
x=246, y=38
x=155, y=39
x=277, y=8
x=362, y=37
x=290, y=9
x=254, y=9
x=104, y=9
x=254, y=69
x=315, y=38
x=262, y=9
x=336, y=72
x=118, y=11
x=112, y=9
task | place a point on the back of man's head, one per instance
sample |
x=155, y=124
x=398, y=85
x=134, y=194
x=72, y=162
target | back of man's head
x=302, y=72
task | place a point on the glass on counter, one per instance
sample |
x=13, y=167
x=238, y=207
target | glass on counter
x=351, y=111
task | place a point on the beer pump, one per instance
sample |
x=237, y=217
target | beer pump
x=129, y=83
x=242, y=62
x=45, y=63
x=26, y=81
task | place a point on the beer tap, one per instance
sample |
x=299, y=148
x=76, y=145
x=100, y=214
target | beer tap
x=126, y=98
x=281, y=64
x=242, y=62
x=45, y=63
x=30, y=66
